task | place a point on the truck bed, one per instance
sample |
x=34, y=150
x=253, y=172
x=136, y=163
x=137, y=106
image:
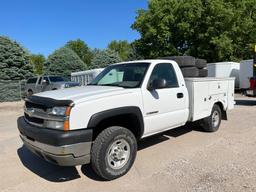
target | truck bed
x=204, y=92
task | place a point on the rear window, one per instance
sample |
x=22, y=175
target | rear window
x=32, y=80
x=56, y=79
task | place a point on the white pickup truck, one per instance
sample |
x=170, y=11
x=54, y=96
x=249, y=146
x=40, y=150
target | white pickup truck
x=102, y=122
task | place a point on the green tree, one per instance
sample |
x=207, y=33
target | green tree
x=38, y=63
x=81, y=49
x=14, y=61
x=134, y=55
x=123, y=48
x=64, y=61
x=216, y=30
x=104, y=58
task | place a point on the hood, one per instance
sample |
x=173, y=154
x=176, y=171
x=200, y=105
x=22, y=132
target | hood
x=80, y=94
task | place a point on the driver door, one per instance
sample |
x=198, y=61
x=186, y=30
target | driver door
x=46, y=84
x=167, y=107
x=38, y=86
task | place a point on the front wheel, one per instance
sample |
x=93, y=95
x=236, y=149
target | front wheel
x=113, y=152
x=212, y=123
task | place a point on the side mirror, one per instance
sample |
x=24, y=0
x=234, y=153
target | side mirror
x=45, y=82
x=158, y=84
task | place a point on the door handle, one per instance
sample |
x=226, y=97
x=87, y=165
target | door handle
x=180, y=95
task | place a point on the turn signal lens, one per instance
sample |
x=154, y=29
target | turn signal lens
x=68, y=110
x=66, y=125
x=66, y=122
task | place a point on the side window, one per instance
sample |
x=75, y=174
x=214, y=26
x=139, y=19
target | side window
x=164, y=71
x=31, y=80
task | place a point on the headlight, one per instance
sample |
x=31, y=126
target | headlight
x=57, y=111
x=61, y=122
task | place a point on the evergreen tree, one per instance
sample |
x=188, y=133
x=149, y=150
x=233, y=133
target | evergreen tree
x=104, y=58
x=14, y=61
x=64, y=61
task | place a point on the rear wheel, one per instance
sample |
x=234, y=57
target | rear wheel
x=113, y=152
x=212, y=123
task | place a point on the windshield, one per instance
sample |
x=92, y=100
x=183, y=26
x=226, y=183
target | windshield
x=128, y=75
x=56, y=79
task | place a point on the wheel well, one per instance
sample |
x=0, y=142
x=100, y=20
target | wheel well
x=223, y=112
x=129, y=121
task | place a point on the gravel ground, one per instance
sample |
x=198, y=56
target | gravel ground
x=183, y=159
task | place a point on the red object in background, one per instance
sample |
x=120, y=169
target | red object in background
x=252, y=83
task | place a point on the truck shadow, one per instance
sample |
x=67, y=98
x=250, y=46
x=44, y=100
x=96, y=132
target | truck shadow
x=161, y=137
x=42, y=168
x=89, y=173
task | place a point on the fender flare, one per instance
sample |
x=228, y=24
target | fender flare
x=98, y=117
x=223, y=109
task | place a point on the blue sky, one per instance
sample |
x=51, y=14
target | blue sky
x=42, y=26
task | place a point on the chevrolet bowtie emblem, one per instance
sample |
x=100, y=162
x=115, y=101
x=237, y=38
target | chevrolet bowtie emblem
x=30, y=111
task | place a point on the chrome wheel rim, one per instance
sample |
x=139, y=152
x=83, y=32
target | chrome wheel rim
x=215, y=118
x=118, y=154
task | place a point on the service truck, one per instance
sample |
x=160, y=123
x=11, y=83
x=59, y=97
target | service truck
x=102, y=122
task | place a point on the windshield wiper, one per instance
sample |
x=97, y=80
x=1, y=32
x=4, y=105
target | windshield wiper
x=109, y=85
x=114, y=85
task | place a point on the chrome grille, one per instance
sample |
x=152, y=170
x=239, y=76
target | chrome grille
x=36, y=114
x=30, y=108
x=33, y=120
x=34, y=105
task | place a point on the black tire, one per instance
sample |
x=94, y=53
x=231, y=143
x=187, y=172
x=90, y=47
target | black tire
x=200, y=63
x=203, y=72
x=183, y=61
x=208, y=123
x=190, y=72
x=102, y=148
